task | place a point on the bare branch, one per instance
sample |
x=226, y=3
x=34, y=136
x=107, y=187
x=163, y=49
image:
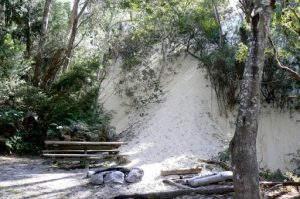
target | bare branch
x=82, y=9
x=295, y=13
x=291, y=72
x=75, y=46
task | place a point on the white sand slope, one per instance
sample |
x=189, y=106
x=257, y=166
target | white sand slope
x=178, y=131
x=187, y=125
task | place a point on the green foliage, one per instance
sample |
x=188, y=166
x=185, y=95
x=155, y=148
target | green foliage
x=24, y=142
x=224, y=72
x=242, y=53
x=72, y=99
x=279, y=87
x=11, y=60
x=59, y=25
x=267, y=174
x=224, y=156
x=27, y=112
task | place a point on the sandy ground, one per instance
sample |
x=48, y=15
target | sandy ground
x=34, y=178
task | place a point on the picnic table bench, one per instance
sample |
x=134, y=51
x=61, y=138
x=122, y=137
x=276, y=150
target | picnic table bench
x=85, y=151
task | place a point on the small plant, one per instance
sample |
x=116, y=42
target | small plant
x=267, y=174
x=224, y=156
x=296, y=162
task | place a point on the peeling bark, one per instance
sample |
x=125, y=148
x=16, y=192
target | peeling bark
x=243, y=144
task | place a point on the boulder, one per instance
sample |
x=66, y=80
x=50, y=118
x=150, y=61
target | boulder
x=135, y=175
x=114, y=177
x=97, y=179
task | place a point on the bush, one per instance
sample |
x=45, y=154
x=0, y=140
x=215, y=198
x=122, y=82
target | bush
x=29, y=117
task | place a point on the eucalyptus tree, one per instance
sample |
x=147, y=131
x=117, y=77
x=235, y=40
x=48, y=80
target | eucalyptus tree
x=41, y=45
x=258, y=14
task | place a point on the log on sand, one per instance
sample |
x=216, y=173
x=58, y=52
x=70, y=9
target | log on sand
x=207, y=190
x=181, y=171
x=216, y=162
x=287, y=183
x=205, y=180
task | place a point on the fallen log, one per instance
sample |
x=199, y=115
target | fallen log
x=221, y=164
x=206, y=180
x=181, y=171
x=183, y=179
x=171, y=182
x=287, y=183
x=207, y=190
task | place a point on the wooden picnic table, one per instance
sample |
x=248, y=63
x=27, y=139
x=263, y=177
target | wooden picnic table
x=79, y=150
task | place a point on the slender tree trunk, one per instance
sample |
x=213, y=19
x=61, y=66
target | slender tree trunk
x=217, y=18
x=163, y=61
x=28, y=37
x=2, y=13
x=243, y=144
x=41, y=45
x=73, y=30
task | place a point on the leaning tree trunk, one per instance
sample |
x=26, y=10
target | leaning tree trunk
x=74, y=20
x=243, y=144
x=73, y=31
x=41, y=45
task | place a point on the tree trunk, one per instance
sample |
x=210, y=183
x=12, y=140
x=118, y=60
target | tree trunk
x=74, y=27
x=2, y=13
x=243, y=144
x=217, y=18
x=28, y=37
x=41, y=45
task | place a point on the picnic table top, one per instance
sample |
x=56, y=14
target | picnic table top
x=49, y=142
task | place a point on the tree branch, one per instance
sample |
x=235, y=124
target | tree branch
x=291, y=72
x=189, y=52
x=295, y=13
x=82, y=9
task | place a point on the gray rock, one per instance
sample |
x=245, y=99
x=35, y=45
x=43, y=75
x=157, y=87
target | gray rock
x=97, y=179
x=135, y=175
x=114, y=177
x=90, y=173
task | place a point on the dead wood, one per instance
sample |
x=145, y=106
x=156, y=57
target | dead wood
x=171, y=182
x=198, y=181
x=221, y=164
x=287, y=183
x=181, y=171
x=207, y=190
